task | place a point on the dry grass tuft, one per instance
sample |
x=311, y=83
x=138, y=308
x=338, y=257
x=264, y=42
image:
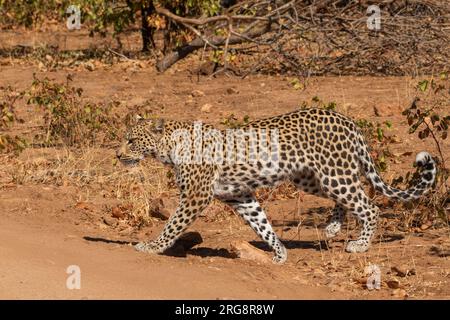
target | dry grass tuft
x=95, y=174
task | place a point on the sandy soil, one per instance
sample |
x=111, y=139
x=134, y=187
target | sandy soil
x=45, y=227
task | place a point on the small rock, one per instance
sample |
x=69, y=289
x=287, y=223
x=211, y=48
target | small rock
x=118, y=212
x=197, y=93
x=232, y=90
x=49, y=58
x=381, y=110
x=393, y=284
x=403, y=271
x=84, y=206
x=41, y=66
x=89, y=66
x=109, y=221
x=362, y=281
x=245, y=250
x=190, y=103
x=157, y=210
x=426, y=225
x=399, y=293
x=206, y=108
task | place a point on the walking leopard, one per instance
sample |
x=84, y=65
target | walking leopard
x=320, y=151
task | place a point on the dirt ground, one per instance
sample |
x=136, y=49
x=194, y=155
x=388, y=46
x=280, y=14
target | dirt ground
x=45, y=227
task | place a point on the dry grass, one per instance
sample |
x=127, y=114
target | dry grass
x=94, y=172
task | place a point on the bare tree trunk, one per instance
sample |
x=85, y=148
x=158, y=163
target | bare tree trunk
x=147, y=32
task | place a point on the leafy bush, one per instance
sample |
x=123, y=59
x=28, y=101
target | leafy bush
x=101, y=15
x=67, y=118
x=29, y=13
x=426, y=117
x=374, y=134
x=8, y=117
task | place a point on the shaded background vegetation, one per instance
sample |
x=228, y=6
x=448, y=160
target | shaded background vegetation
x=312, y=37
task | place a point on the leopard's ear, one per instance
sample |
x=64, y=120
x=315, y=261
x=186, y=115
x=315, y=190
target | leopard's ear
x=137, y=119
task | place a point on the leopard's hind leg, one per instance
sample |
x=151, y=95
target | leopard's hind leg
x=348, y=194
x=308, y=182
x=250, y=210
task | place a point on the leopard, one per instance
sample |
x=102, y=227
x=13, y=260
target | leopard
x=321, y=152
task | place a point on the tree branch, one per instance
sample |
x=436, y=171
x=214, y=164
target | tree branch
x=252, y=31
x=165, y=63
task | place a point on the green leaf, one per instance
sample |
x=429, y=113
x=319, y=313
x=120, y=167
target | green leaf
x=331, y=106
x=423, y=85
x=380, y=134
x=388, y=124
x=298, y=86
x=295, y=82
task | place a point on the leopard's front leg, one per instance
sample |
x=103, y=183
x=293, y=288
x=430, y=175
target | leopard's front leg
x=195, y=183
x=178, y=222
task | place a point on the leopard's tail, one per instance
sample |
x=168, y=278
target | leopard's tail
x=424, y=162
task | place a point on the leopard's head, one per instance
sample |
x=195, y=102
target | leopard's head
x=140, y=141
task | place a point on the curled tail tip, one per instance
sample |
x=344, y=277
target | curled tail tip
x=423, y=158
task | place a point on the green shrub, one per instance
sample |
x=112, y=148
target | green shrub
x=67, y=118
